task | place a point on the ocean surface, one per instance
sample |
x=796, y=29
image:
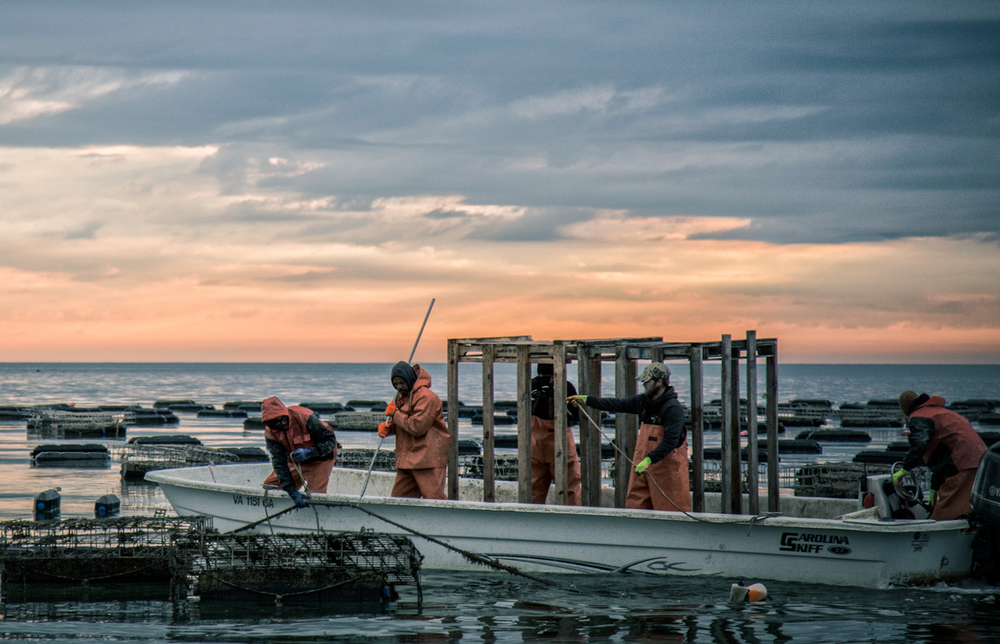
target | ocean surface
x=469, y=607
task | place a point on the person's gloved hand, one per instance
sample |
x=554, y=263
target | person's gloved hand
x=390, y=409
x=576, y=401
x=641, y=466
x=383, y=430
x=298, y=498
x=898, y=475
x=931, y=497
x=302, y=454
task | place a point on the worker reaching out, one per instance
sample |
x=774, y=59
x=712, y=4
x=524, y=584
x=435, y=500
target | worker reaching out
x=661, y=449
x=422, y=437
x=300, y=446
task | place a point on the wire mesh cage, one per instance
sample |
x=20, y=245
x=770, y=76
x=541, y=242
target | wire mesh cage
x=137, y=459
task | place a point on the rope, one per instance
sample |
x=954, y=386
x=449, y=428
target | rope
x=751, y=522
x=278, y=597
x=83, y=580
x=471, y=556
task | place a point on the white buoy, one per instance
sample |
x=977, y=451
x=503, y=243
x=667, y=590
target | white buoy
x=752, y=593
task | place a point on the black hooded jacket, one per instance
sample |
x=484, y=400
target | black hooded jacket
x=665, y=410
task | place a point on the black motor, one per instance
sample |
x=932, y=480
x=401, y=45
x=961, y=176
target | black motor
x=985, y=503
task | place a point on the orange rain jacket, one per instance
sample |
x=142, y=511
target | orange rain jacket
x=422, y=437
x=305, y=429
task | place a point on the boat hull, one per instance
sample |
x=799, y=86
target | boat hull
x=866, y=553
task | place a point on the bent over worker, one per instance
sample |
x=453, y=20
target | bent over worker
x=422, y=437
x=947, y=444
x=661, y=454
x=543, y=441
x=301, y=446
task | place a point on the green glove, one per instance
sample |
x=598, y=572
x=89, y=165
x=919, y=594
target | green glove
x=931, y=496
x=898, y=475
x=642, y=465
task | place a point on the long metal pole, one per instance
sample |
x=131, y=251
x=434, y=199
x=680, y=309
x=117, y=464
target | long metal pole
x=382, y=438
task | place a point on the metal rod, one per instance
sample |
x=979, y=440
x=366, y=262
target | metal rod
x=382, y=438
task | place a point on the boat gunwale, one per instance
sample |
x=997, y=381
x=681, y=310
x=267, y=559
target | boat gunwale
x=170, y=477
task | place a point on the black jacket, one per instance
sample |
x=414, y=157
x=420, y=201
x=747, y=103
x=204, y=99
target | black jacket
x=543, y=401
x=665, y=410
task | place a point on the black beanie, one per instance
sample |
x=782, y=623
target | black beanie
x=404, y=371
x=546, y=369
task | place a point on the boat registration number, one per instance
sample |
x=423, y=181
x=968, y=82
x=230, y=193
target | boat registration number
x=252, y=501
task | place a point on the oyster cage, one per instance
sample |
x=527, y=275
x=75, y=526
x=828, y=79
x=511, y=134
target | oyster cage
x=348, y=569
x=326, y=567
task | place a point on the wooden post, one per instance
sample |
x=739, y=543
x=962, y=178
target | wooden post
x=559, y=413
x=489, y=463
x=589, y=384
x=523, y=424
x=753, y=500
x=772, y=431
x=622, y=438
x=453, y=419
x=727, y=424
x=737, y=468
x=697, y=430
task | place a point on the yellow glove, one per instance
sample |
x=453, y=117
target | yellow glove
x=641, y=466
x=898, y=475
x=576, y=401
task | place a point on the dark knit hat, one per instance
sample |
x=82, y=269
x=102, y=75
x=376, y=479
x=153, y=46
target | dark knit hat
x=909, y=401
x=546, y=369
x=405, y=371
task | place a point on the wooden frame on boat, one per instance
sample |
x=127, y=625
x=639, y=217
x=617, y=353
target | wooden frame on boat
x=624, y=353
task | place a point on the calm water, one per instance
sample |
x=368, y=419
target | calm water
x=472, y=607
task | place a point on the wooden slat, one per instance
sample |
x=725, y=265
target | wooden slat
x=622, y=467
x=736, y=483
x=726, y=470
x=697, y=430
x=453, y=419
x=771, y=412
x=589, y=373
x=561, y=456
x=753, y=503
x=523, y=426
x=489, y=463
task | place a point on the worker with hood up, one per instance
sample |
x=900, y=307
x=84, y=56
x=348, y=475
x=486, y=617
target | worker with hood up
x=947, y=444
x=301, y=446
x=543, y=441
x=660, y=480
x=422, y=439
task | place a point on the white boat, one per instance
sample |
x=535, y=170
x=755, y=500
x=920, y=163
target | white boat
x=857, y=549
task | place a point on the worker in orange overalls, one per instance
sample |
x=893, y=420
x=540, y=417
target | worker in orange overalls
x=297, y=441
x=422, y=438
x=946, y=443
x=661, y=454
x=543, y=443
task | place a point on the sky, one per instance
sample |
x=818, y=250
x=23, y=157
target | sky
x=295, y=182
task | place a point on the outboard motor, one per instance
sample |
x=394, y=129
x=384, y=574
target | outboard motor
x=985, y=501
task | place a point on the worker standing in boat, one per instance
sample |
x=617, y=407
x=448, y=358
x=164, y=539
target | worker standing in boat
x=660, y=480
x=422, y=437
x=300, y=446
x=948, y=445
x=543, y=443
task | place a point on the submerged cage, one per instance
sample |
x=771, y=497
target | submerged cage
x=343, y=568
x=85, y=551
